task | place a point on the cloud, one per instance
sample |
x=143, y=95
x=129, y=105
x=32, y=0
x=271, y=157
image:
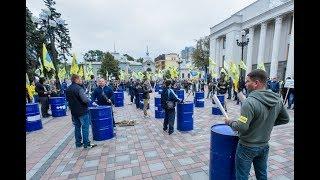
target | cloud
x=164, y=25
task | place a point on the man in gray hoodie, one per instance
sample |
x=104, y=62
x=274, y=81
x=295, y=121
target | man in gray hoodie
x=262, y=110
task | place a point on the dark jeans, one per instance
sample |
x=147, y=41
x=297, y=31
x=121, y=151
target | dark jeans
x=136, y=100
x=229, y=93
x=169, y=117
x=44, y=101
x=81, y=123
x=245, y=156
x=131, y=98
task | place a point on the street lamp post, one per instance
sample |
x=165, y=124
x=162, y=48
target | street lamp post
x=242, y=44
x=179, y=62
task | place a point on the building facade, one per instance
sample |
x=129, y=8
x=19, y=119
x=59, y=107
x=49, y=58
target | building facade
x=269, y=26
x=148, y=64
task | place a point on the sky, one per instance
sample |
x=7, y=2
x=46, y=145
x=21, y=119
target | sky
x=165, y=26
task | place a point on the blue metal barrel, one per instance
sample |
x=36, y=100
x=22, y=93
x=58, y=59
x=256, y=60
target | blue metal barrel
x=221, y=99
x=215, y=108
x=33, y=119
x=118, y=98
x=199, y=99
x=102, y=125
x=180, y=93
x=157, y=87
x=58, y=106
x=222, y=153
x=159, y=112
x=185, y=116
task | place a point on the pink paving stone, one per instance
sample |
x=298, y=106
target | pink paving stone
x=143, y=163
x=175, y=176
x=88, y=173
x=144, y=169
x=100, y=176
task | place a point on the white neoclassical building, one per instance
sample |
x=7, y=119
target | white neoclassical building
x=269, y=26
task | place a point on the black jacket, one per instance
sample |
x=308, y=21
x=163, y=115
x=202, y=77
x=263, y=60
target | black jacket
x=77, y=100
x=146, y=90
x=40, y=90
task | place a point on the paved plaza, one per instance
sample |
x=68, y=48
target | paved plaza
x=143, y=151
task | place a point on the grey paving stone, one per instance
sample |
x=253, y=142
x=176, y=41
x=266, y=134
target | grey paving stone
x=123, y=173
x=91, y=177
x=200, y=175
x=156, y=166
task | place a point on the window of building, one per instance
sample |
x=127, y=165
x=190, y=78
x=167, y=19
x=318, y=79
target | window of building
x=182, y=75
x=223, y=42
x=188, y=75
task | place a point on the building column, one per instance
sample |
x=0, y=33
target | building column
x=262, y=43
x=249, y=51
x=290, y=61
x=275, y=48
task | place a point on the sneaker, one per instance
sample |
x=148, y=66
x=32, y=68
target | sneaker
x=170, y=132
x=90, y=146
x=165, y=129
x=79, y=145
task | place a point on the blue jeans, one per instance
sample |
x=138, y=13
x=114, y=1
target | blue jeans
x=81, y=123
x=245, y=156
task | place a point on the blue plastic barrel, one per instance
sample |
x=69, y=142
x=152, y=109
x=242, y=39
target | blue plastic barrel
x=159, y=112
x=33, y=119
x=180, y=93
x=160, y=91
x=58, y=106
x=118, y=98
x=102, y=124
x=199, y=99
x=185, y=116
x=222, y=152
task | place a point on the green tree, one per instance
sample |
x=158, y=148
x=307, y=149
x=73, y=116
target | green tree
x=110, y=65
x=200, y=56
x=31, y=46
x=57, y=39
x=129, y=57
x=167, y=75
x=93, y=56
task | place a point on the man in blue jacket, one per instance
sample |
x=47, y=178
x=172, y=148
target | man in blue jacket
x=78, y=104
x=168, y=95
x=103, y=95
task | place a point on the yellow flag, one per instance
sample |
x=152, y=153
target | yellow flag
x=261, y=66
x=243, y=65
x=80, y=72
x=62, y=73
x=74, y=65
x=47, y=62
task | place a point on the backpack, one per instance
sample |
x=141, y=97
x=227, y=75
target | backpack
x=169, y=104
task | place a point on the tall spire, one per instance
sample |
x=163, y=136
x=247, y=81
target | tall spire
x=147, y=51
